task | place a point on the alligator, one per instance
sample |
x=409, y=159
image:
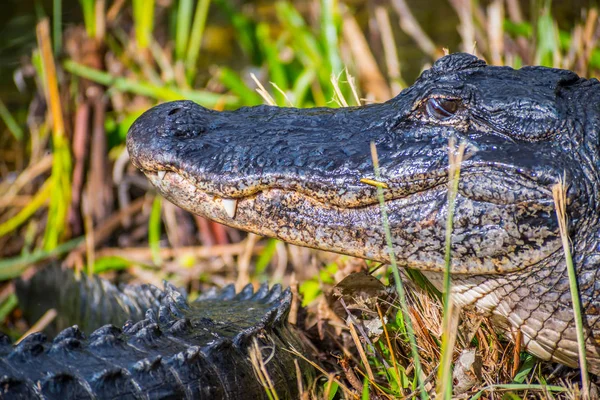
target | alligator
x=305, y=176
x=167, y=348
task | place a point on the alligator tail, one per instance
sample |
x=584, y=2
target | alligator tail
x=177, y=349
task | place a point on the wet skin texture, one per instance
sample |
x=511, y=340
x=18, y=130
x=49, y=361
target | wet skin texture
x=295, y=175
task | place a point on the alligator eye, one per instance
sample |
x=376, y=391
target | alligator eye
x=441, y=109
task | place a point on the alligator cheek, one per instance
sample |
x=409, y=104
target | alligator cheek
x=487, y=238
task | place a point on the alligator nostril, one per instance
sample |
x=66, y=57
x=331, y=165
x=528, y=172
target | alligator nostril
x=185, y=122
x=189, y=131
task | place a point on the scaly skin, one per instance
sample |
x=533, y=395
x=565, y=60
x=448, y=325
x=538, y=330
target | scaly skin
x=295, y=175
x=168, y=347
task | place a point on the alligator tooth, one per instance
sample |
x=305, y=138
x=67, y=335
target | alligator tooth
x=161, y=174
x=230, y=206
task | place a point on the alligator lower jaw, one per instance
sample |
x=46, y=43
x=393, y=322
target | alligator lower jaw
x=293, y=217
x=277, y=213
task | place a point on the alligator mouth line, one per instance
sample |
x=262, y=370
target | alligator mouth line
x=394, y=191
x=163, y=180
x=167, y=180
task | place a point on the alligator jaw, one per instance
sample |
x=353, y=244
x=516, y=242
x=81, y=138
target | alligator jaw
x=358, y=231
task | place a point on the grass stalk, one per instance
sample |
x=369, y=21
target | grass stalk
x=260, y=89
x=154, y=230
x=339, y=96
x=398, y=280
x=90, y=242
x=61, y=165
x=359, y=347
x=389, y=343
x=57, y=26
x=38, y=200
x=167, y=93
x=330, y=35
x=392, y=60
x=559, y=193
x=50, y=77
x=143, y=17
x=182, y=32
x=260, y=369
x=10, y=122
x=14, y=267
x=100, y=20
x=444, y=390
x=40, y=325
x=8, y=306
x=89, y=18
x=411, y=27
x=332, y=377
x=518, y=387
x=193, y=50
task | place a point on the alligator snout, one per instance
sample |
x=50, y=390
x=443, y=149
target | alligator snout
x=154, y=138
x=180, y=119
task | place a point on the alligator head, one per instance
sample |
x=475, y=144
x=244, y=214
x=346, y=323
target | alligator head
x=298, y=175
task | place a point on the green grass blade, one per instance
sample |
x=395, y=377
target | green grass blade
x=8, y=306
x=302, y=86
x=522, y=29
x=10, y=122
x=245, y=29
x=89, y=16
x=38, y=201
x=234, y=82
x=455, y=156
x=195, y=43
x=206, y=98
x=13, y=267
x=548, y=46
x=266, y=256
x=60, y=197
x=559, y=192
x=182, y=26
x=333, y=390
x=304, y=42
x=154, y=228
x=276, y=69
x=330, y=34
x=61, y=193
x=110, y=263
x=398, y=280
x=57, y=26
x=365, y=392
x=143, y=18
x=525, y=370
x=517, y=387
